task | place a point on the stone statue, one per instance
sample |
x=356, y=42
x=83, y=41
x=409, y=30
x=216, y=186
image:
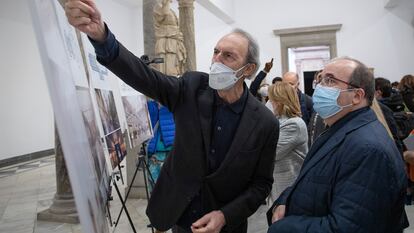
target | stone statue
x=169, y=40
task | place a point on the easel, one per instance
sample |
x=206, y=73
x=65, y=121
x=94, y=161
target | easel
x=141, y=164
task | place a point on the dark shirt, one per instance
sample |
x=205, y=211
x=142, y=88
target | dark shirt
x=225, y=122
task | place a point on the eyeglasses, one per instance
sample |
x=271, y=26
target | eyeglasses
x=331, y=81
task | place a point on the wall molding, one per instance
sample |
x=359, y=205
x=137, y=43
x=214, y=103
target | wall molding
x=304, y=37
x=26, y=157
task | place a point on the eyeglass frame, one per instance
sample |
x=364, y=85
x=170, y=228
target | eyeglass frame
x=322, y=77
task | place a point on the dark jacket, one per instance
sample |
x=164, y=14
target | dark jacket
x=408, y=97
x=353, y=180
x=394, y=101
x=306, y=106
x=255, y=85
x=245, y=177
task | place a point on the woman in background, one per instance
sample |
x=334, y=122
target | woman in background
x=406, y=87
x=292, y=146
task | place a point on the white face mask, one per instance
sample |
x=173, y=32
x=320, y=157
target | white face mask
x=263, y=91
x=222, y=77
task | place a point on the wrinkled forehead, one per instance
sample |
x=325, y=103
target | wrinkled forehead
x=234, y=43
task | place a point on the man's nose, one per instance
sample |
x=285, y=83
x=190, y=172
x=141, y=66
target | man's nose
x=217, y=57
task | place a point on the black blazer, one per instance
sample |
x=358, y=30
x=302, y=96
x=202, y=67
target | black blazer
x=244, y=178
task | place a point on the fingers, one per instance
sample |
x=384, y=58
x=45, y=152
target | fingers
x=76, y=12
x=77, y=6
x=201, y=222
x=79, y=21
x=279, y=213
x=271, y=61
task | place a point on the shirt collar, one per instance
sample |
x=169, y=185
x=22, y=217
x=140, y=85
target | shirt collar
x=238, y=106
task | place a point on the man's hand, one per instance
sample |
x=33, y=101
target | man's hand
x=409, y=156
x=209, y=223
x=268, y=66
x=85, y=16
x=279, y=213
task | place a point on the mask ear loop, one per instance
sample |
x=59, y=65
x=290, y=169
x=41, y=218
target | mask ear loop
x=346, y=90
x=237, y=71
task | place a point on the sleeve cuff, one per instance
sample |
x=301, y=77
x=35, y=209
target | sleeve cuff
x=107, y=50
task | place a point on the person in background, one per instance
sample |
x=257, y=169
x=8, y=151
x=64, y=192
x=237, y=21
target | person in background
x=406, y=88
x=292, y=146
x=306, y=105
x=276, y=79
x=258, y=87
x=385, y=94
x=351, y=180
x=395, y=85
x=220, y=169
x=316, y=124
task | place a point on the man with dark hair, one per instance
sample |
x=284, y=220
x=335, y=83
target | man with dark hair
x=220, y=169
x=385, y=94
x=277, y=79
x=353, y=178
x=306, y=105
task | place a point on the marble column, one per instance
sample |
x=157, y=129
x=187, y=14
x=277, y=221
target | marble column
x=148, y=23
x=63, y=208
x=186, y=16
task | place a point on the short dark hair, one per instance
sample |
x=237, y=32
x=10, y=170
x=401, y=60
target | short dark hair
x=362, y=77
x=277, y=79
x=383, y=85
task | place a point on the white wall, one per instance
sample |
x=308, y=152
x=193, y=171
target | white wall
x=26, y=119
x=369, y=32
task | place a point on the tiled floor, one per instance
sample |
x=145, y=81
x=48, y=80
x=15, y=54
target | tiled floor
x=28, y=188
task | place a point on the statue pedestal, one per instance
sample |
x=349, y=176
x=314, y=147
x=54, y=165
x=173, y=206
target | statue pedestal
x=62, y=210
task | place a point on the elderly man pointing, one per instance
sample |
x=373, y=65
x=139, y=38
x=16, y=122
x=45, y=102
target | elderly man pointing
x=220, y=169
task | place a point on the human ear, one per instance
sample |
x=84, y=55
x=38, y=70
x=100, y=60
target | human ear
x=250, y=69
x=359, y=96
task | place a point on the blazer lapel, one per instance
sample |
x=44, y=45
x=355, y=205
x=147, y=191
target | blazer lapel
x=205, y=111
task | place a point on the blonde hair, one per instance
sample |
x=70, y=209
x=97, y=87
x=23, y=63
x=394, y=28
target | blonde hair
x=406, y=81
x=377, y=109
x=285, y=95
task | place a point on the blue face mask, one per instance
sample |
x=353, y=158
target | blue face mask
x=325, y=101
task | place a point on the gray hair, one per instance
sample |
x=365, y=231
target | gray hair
x=361, y=77
x=252, y=48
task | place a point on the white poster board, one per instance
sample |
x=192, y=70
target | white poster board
x=68, y=116
x=98, y=74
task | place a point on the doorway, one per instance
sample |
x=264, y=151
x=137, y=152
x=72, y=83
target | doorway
x=308, y=80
